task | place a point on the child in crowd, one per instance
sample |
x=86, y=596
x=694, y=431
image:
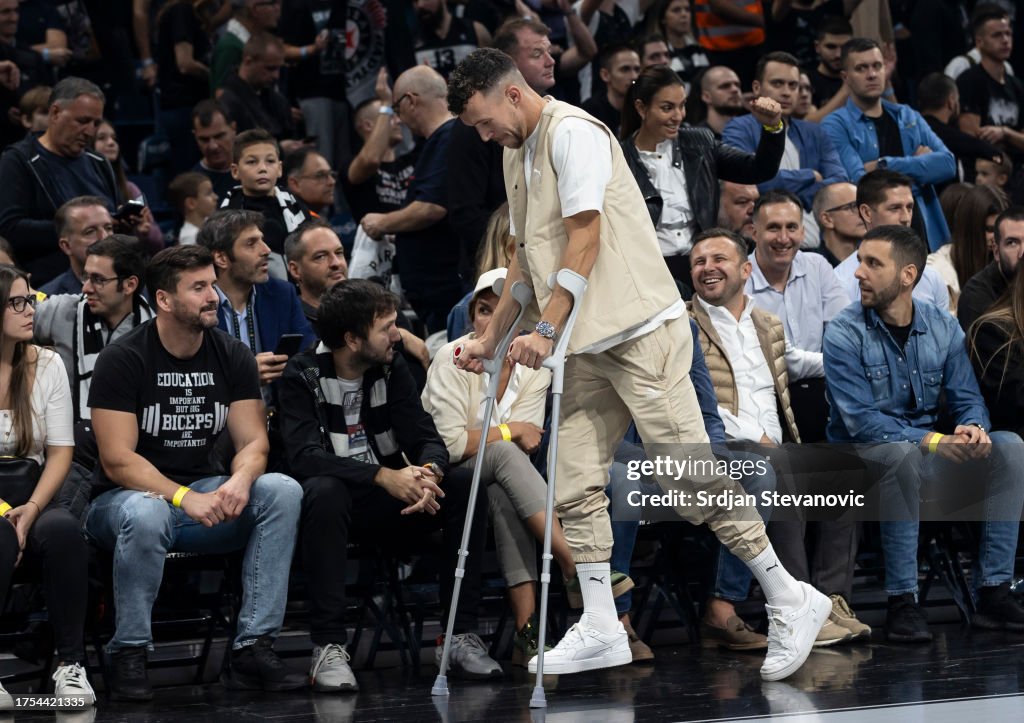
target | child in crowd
x=257, y=168
x=193, y=199
x=986, y=170
x=35, y=107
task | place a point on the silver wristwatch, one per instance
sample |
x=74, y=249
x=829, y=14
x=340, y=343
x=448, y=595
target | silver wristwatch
x=546, y=329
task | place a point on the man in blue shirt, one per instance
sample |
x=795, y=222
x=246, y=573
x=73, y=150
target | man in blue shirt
x=893, y=367
x=810, y=160
x=871, y=133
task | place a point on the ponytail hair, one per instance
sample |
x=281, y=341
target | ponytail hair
x=644, y=89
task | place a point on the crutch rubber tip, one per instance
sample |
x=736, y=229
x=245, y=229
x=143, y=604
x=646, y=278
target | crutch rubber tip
x=441, y=686
x=537, y=700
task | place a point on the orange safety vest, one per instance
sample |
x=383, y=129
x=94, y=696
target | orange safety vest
x=717, y=33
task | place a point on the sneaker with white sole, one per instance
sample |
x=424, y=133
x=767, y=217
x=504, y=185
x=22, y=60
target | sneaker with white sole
x=330, y=671
x=467, y=658
x=586, y=648
x=792, y=631
x=70, y=682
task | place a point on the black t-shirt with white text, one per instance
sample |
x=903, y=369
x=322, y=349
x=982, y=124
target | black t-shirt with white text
x=386, y=190
x=998, y=104
x=181, y=404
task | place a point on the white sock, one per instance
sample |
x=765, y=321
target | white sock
x=598, y=604
x=780, y=588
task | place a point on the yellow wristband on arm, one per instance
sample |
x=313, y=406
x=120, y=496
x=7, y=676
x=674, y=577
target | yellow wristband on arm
x=4, y=508
x=933, y=443
x=180, y=495
x=506, y=434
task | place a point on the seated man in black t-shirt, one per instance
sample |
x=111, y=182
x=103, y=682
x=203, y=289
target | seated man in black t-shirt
x=350, y=417
x=165, y=399
x=257, y=168
x=620, y=67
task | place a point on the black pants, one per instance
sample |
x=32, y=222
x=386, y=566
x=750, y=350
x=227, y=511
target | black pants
x=334, y=513
x=55, y=542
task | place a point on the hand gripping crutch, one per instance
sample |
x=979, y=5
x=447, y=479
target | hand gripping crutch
x=575, y=285
x=523, y=295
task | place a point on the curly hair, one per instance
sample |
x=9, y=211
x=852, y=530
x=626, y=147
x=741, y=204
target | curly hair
x=481, y=71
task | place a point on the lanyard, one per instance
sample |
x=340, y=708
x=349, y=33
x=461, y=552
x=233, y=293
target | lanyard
x=236, y=326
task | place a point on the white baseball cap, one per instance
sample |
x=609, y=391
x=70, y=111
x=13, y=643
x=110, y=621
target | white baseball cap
x=486, y=281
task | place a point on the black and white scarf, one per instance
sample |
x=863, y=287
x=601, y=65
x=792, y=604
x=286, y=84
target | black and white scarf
x=89, y=339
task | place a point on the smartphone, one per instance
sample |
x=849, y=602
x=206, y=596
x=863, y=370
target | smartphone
x=130, y=209
x=289, y=344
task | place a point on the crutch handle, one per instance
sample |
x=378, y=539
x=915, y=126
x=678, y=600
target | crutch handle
x=523, y=296
x=577, y=286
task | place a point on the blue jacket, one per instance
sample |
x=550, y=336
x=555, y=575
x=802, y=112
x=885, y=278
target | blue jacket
x=278, y=312
x=816, y=154
x=854, y=137
x=871, y=380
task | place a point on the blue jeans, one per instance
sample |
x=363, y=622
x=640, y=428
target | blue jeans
x=1004, y=500
x=141, y=530
x=732, y=576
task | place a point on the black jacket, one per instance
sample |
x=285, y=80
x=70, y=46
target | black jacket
x=979, y=294
x=303, y=411
x=704, y=161
x=266, y=109
x=28, y=202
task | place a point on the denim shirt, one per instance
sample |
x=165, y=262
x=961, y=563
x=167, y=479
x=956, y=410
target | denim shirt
x=872, y=383
x=854, y=136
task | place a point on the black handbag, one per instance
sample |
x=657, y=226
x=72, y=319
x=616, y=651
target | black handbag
x=18, y=479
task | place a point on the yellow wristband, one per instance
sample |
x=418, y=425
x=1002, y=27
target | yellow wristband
x=180, y=495
x=4, y=509
x=775, y=128
x=933, y=443
x=506, y=434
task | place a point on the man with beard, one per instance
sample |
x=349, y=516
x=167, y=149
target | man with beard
x=722, y=97
x=828, y=90
x=351, y=417
x=162, y=398
x=981, y=290
x=253, y=307
x=894, y=367
x=443, y=40
x=576, y=205
x=214, y=132
x=736, y=208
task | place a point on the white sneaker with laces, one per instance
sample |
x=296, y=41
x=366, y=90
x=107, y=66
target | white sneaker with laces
x=70, y=681
x=330, y=671
x=792, y=631
x=586, y=648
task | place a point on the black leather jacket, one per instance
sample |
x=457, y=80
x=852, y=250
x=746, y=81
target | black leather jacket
x=704, y=161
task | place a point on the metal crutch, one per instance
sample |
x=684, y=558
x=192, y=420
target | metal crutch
x=523, y=295
x=575, y=285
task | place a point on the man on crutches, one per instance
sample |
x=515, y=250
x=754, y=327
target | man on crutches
x=575, y=205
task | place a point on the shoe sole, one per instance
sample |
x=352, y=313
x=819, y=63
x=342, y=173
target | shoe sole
x=343, y=688
x=916, y=638
x=986, y=623
x=463, y=675
x=824, y=609
x=611, y=660
x=236, y=682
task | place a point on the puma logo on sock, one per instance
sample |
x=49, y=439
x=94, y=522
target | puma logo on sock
x=769, y=569
x=598, y=579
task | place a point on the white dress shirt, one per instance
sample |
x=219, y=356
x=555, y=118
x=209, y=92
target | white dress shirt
x=675, y=225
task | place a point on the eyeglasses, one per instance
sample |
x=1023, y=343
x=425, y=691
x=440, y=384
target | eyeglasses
x=98, y=282
x=851, y=206
x=398, y=103
x=18, y=303
x=322, y=176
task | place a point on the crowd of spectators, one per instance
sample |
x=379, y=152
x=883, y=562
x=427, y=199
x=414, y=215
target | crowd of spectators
x=288, y=172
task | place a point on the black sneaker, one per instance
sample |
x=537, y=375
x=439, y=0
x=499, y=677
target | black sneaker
x=257, y=667
x=999, y=609
x=905, y=621
x=127, y=677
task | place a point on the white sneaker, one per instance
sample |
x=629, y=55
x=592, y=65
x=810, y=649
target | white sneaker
x=585, y=648
x=330, y=671
x=6, y=701
x=792, y=631
x=70, y=681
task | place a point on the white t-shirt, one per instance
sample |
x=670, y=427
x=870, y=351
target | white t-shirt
x=675, y=224
x=52, y=418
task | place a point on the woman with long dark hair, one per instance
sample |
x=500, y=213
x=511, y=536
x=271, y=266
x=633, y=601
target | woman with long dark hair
x=36, y=445
x=673, y=20
x=678, y=168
